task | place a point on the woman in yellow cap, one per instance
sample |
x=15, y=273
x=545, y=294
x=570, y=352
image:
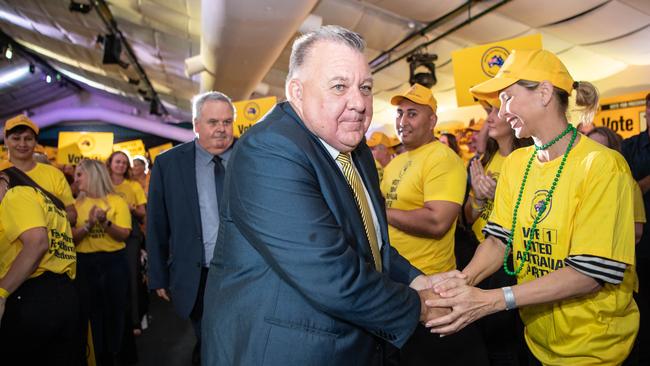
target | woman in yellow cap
x=564, y=209
x=39, y=307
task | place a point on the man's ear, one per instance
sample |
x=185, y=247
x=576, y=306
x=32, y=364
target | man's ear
x=434, y=120
x=294, y=90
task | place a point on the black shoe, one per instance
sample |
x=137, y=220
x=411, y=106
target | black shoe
x=196, y=354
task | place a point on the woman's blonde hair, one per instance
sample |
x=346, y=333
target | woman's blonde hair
x=99, y=182
x=587, y=98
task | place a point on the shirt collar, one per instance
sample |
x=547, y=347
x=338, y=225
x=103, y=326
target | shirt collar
x=203, y=157
x=331, y=150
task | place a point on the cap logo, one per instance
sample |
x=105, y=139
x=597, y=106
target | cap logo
x=493, y=59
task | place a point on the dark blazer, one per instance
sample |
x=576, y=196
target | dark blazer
x=174, y=234
x=292, y=281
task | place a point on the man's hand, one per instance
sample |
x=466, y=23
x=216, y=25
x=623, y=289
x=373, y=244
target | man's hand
x=423, y=282
x=162, y=293
x=428, y=313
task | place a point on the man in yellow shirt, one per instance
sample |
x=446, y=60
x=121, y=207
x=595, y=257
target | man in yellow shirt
x=20, y=138
x=424, y=189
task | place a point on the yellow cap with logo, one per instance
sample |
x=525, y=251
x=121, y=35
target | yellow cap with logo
x=417, y=94
x=20, y=120
x=380, y=138
x=532, y=65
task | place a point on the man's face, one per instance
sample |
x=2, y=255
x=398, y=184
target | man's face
x=333, y=94
x=21, y=145
x=415, y=123
x=381, y=153
x=214, y=126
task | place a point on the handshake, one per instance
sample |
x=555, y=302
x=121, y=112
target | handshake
x=448, y=303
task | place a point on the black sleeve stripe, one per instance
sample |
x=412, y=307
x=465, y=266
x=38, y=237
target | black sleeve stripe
x=496, y=231
x=599, y=261
x=613, y=277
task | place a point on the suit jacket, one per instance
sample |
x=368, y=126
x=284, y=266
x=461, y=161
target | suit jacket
x=292, y=281
x=174, y=234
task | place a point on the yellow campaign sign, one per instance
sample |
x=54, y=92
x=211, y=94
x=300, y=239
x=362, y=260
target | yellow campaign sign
x=624, y=114
x=476, y=64
x=74, y=146
x=133, y=147
x=250, y=111
x=157, y=150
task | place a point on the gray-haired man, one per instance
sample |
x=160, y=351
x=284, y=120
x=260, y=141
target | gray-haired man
x=183, y=209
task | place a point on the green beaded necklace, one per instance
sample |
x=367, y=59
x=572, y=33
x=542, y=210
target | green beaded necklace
x=574, y=134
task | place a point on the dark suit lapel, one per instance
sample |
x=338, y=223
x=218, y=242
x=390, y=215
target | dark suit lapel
x=188, y=176
x=339, y=192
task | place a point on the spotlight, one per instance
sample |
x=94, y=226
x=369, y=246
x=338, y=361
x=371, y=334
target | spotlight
x=32, y=68
x=48, y=79
x=112, y=50
x=79, y=7
x=9, y=53
x=421, y=69
x=133, y=81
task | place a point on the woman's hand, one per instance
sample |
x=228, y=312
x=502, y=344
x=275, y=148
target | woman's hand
x=483, y=185
x=468, y=304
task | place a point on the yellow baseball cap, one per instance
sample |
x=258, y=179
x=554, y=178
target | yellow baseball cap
x=490, y=102
x=417, y=94
x=380, y=138
x=20, y=120
x=533, y=65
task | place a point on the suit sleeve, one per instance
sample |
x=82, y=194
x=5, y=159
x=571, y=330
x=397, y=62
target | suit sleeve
x=277, y=204
x=157, y=230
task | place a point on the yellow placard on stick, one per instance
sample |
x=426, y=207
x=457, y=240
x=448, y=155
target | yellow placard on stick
x=74, y=146
x=476, y=64
x=157, y=150
x=250, y=111
x=133, y=147
x=623, y=114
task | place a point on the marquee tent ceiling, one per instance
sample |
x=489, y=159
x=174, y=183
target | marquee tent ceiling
x=245, y=44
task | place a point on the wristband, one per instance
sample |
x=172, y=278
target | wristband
x=509, y=296
x=474, y=203
x=4, y=293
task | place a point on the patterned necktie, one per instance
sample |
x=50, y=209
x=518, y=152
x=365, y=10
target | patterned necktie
x=219, y=172
x=354, y=181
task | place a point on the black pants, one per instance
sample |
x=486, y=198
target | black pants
x=463, y=348
x=103, y=281
x=197, y=310
x=642, y=299
x=41, y=324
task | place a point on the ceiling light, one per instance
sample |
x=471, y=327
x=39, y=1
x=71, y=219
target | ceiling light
x=79, y=7
x=48, y=79
x=422, y=70
x=9, y=54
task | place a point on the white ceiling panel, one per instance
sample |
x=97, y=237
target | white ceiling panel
x=611, y=20
x=491, y=27
x=536, y=13
x=587, y=65
x=641, y=5
x=633, y=49
x=423, y=11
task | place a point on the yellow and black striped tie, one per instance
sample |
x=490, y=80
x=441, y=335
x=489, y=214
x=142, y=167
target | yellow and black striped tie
x=362, y=203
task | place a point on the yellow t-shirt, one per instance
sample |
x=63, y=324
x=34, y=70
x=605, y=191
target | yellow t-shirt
x=432, y=172
x=639, y=209
x=493, y=169
x=52, y=180
x=25, y=208
x=380, y=170
x=590, y=214
x=132, y=192
x=97, y=240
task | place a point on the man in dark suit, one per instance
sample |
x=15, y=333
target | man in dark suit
x=303, y=273
x=183, y=210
